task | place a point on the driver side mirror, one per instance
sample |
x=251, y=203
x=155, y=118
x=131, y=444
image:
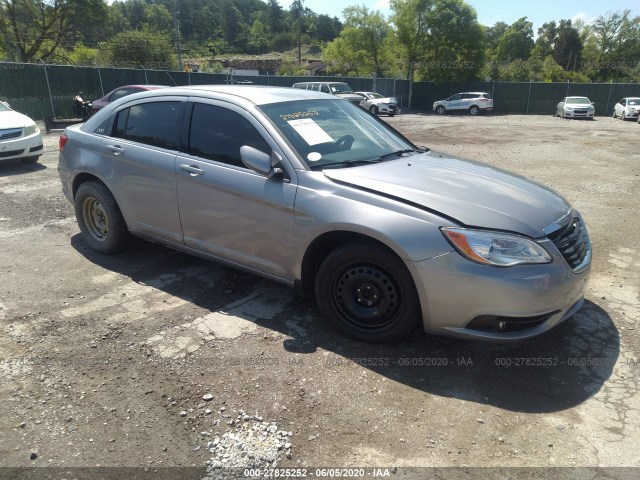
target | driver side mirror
x=262, y=163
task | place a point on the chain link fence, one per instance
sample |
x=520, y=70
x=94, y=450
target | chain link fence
x=44, y=91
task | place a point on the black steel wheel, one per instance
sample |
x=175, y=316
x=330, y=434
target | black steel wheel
x=100, y=219
x=367, y=293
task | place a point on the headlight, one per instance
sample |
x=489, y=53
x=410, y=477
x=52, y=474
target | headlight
x=31, y=129
x=496, y=248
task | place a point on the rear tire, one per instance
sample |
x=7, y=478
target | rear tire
x=100, y=220
x=367, y=293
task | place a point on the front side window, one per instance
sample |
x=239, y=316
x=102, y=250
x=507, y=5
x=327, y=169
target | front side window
x=217, y=133
x=157, y=124
x=454, y=98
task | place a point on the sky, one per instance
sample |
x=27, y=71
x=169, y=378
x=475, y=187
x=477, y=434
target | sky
x=492, y=11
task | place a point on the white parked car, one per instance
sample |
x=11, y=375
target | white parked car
x=627, y=108
x=576, y=107
x=377, y=104
x=473, y=102
x=20, y=137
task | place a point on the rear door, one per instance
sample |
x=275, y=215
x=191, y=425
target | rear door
x=138, y=163
x=226, y=209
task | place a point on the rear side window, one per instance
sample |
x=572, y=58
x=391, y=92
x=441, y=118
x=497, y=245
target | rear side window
x=217, y=133
x=157, y=124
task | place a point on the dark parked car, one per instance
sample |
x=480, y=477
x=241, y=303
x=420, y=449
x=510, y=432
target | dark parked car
x=120, y=92
x=310, y=190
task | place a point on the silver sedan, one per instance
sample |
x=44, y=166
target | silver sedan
x=312, y=191
x=627, y=109
x=379, y=104
x=576, y=107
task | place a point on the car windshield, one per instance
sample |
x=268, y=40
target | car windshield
x=578, y=100
x=375, y=95
x=335, y=133
x=340, y=88
x=634, y=101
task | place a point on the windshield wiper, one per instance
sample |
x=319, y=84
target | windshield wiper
x=399, y=153
x=346, y=163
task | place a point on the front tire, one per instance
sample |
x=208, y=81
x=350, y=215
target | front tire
x=100, y=220
x=367, y=293
x=440, y=110
x=374, y=110
x=474, y=111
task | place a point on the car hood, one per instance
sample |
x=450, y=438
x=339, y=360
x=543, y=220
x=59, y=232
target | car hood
x=11, y=119
x=473, y=194
x=349, y=96
x=383, y=100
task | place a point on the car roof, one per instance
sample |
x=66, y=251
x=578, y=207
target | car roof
x=475, y=93
x=578, y=96
x=256, y=94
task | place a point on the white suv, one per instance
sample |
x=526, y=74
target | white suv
x=473, y=102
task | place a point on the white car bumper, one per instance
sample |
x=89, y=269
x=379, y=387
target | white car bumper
x=21, y=147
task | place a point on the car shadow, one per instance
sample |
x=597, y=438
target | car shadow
x=552, y=372
x=9, y=168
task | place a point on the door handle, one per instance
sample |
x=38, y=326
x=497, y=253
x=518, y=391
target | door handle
x=194, y=171
x=116, y=149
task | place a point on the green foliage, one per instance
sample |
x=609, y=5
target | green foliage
x=83, y=55
x=455, y=43
x=516, y=43
x=137, y=48
x=291, y=68
x=36, y=29
x=360, y=48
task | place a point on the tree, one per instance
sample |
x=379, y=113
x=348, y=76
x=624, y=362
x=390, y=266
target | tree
x=517, y=41
x=455, y=43
x=617, y=41
x=411, y=20
x=36, y=29
x=493, y=35
x=567, y=51
x=361, y=40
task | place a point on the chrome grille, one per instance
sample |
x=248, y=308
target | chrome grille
x=573, y=243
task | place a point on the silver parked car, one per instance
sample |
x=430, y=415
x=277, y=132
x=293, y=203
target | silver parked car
x=576, y=107
x=627, y=108
x=310, y=190
x=472, y=102
x=379, y=104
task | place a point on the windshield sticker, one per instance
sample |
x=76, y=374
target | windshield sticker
x=314, y=157
x=310, y=131
x=292, y=116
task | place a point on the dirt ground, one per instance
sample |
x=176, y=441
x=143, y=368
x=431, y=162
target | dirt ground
x=104, y=361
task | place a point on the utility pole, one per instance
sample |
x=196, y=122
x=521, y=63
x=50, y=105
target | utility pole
x=299, y=38
x=177, y=26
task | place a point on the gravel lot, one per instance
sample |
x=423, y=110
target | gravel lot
x=156, y=359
